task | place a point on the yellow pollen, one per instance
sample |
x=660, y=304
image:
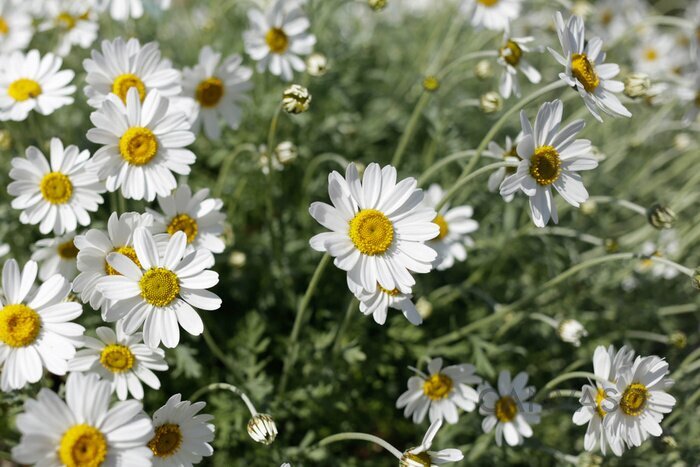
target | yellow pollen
x=634, y=399
x=511, y=53
x=391, y=293
x=56, y=188
x=183, y=223
x=599, y=398
x=442, y=223
x=23, y=89
x=138, y=145
x=277, y=40
x=4, y=28
x=123, y=83
x=66, y=20
x=650, y=54
x=438, y=386
x=583, y=70
x=422, y=459
x=82, y=446
x=117, y=358
x=545, y=165
x=166, y=441
x=19, y=325
x=159, y=286
x=210, y=91
x=67, y=250
x=127, y=251
x=371, y=232
x=506, y=409
x=488, y=2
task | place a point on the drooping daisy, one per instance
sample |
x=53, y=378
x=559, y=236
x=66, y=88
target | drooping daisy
x=198, y=216
x=421, y=456
x=492, y=14
x=550, y=158
x=143, y=144
x=122, y=359
x=508, y=409
x=121, y=66
x=455, y=224
x=59, y=195
x=440, y=393
x=33, y=83
x=36, y=331
x=56, y=256
x=83, y=430
x=15, y=27
x=508, y=153
x=378, y=301
x=510, y=56
x=586, y=71
x=161, y=293
x=74, y=20
x=182, y=435
x=278, y=37
x=218, y=87
x=379, y=228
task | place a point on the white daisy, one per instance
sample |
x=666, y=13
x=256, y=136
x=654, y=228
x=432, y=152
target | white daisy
x=74, y=20
x=571, y=331
x=440, y=393
x=667, y=246
x=218, y=87
x=160, y=294
x=550, y=158
x=655, y=54
x=455, y=224
x=56, y=256
x=510, y=56
x=122, y=359
x=421, y=456
x=33, y=83
x=121, y=66
x=143, y=144
x=182, y=435
x=508, y=153
x=378, y=301
x=198, y=216
x=586, y=71
x=83, y=430
x=492, y=14
x=508, y=410
x=122, y=10
x=278, y=37
x=378, y=227
x=36, y=331
x=15, y=26
x=611, y=19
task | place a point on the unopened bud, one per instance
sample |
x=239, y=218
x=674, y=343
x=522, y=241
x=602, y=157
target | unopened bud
x=611, y=245
x=682, y=141
x=696, y=279
x=296, y=99
x=424, y=307
x=491, y=102
x=286, y=152
x=237, y=259
x=661, y=217
x=5, y=140
x=431, y=83
x=678, y=339
x=316, y=64
x=571, y=331
x=581, y=9
x=377, y=5
x=262, y=429
x=483, y=70
x=589, y=207
x=637, y=85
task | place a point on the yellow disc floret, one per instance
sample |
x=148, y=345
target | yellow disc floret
x=438, y=386
x=82, y=446
x=127, y=251
x=66, y=20
x=371, y=232
x=442, y=223
x=123, y=83
x=67, y=250
x=209, y=92
x=183, y=223
x=138, y=145
x=19, y=325
x=583, y=70
x=117, y=358
x=166, y=441
x=391, y=293
x=4, y=28
x=545, y=165
x=506, y=409
x=23, y=89
x=599, y=398
x=511, y=53
x=277, y=40
x=634, y=399
x=56, y=188
x=159, y=286
x=488, y=2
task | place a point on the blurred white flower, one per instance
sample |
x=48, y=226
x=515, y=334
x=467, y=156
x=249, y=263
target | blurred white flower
x=492, y=14
x=378, y=301
x=75, y=21
x=667, y=246
x=510, y=56
x=422, y=456
x=15, y=26
x=571, y=331
x=122, y=10
x=656, y=54
x=56, y=256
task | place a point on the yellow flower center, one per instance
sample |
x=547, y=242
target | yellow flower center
x=371, y=232
x=545, y=165
x=159, y=286
x=391, y=293
x=166, y=441
x=138, y=145
x=650, y=54
x=56, y=188
x=123, y=83
x=82, y=446
x=127, y=251
x=67, y=250
x=506, y=409
x=583, y=70
x=66, y=20
x=19, y=325
x=210, y=91
x=697, y=99
x=488, y=3
x=511, y=53
x=4, y=28
x=599, y=398
x=23, y=89
x=438, y=386
x=277, y=40
x=117, y=358
x=606, y=17
x=442, y=223
x=634, y=399
x=183, y=223
x=422, y=459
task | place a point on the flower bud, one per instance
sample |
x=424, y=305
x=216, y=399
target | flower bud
x=682, y=141
x=483, y=70
x=262, y=429
x=589, y=207
x=661, y=217
x=611, y=245
x=5, y=140
x=424, y=307
x=678, y=339
x=696, y=279
x=296, y=99
x=587, y=459
x=316, y=64
x=571, y=331
x=491, y=102
x=237, y=259
x=431, y=83
x=377, y=5
x=581, y=8
x=286, y=152
x=637, y=85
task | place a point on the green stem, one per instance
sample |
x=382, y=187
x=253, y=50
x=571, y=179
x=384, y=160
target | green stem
x=466, y=178
x=466, y=330
x=430, y=171
x=344, y=325
x=218, y=353
x=226, y=167
x=226, y=387
x=620, y=202
x=566, y=376
x=408, y=134
x=466, y=58
x=361, y=437
x=647, y=336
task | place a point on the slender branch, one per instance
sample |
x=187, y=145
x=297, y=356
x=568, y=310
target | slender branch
x=361, y=437
x=566, y=376
x=620, y=202
x=465, y=179
x=226, y=387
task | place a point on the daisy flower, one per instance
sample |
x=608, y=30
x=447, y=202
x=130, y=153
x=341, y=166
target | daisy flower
x=58, y=195
x=378, y=301
x=452, y=240
x=508, y=153
x=122, y=359
x=36, y=331
x=218, y=87
x=421, y=456
x=278, y=37
x=611, y=19
x=75, y=21
x=15, y=26
x=198, y=216
x=161, y=293
x=510, y=56
x=83, y=430
x=493, y=14
x=379, y=227
x=668, y=245
x=182, y=435
x=122, y=10
x=143, y=144
x=586, y=71
x=56, y=256
x=121, y=66
x=33, y=83
x=550, y=158
x=440, y=393
x=655, y=55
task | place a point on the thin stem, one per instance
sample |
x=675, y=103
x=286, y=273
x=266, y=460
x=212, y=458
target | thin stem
x=466, y=58
x=408, y=134
x=620, y=202
x=218, y=353
x=669, y=21
x=226, y=167
x=545, y=319
x=361, y=437
x=566, y=376
x=466, y=330
x=465, y=179
x=344, y=325
x=647, y=336
x=226, y=387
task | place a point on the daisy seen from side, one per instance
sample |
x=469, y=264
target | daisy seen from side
x=378, y=302
x=56, y=256
x=422, y=456
x=511, y=57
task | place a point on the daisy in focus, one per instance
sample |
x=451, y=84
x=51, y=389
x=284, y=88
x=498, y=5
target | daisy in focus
x=551, y=158
x=421, y=456
x=122, y=359
x=15, y=27
x=378, y=228
x=218, y=87
x=440, y=393
x=74, y=20
x=278, y=37
x=56, y=256
x=33, y=83
x=492, y=14
x=510, y=56
x=83, y=430
x=508, y=153
x=378, y=302
x=143, y=144
x=182, y=435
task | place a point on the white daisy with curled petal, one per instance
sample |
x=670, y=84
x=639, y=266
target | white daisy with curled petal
x=15, y=26
x=378, y=228
x=440, y=393
x=56, y=256
x=161, y=293
x=508, y=153
x=422, y=456
x=36, y=331
x=492, y=14
x=510, y=56
x=143, y=144
x=586, y=71
x=377, y=302
x=75, y=21
x=551, y=158
x=122, y=359
x=83, y=430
